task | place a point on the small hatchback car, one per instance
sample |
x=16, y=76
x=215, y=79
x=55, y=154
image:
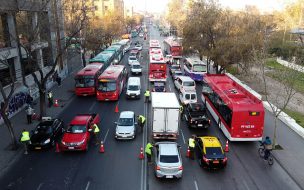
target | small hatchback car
x=125, y=128
x=210, y=152
x=168, y=161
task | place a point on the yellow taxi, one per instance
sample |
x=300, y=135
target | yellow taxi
x=210, y=152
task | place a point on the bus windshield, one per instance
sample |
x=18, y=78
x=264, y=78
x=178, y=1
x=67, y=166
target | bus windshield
x=84, y=81
x=107, y=86
x=199, y=68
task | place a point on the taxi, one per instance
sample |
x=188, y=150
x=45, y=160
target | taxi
x=210, y=152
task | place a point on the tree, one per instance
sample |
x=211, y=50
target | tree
x=176, y=15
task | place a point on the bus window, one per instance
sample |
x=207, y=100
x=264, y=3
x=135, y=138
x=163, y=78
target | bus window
x=199, y=68
x=84, y=81
x=107, y=86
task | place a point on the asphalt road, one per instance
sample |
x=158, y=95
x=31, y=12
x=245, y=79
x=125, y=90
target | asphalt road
x=120, y=168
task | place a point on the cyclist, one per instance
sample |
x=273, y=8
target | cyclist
x=267, y=147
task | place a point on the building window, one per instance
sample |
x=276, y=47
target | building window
x=4, y=34
x=5, y=77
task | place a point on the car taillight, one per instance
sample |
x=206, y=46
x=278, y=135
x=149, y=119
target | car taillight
x=225, y=159
x=157, y=167
x=180, y=168
x=205, y=159
x=209, y=121
x=191, y=120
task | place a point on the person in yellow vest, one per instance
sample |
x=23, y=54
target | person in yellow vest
x=181, y=111
x=141, y=120
x=95, y=133
x=50, y=98
x=25, y=139
x=148, y=151
x=191, y=144
x=147, y=95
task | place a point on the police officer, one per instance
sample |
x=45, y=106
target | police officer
x=191, y=144
x=141, y=121
x=148, y=151
x=25, y=139
x=50, y=98
x=147, y=95
x=181, y=111
x=95, y=132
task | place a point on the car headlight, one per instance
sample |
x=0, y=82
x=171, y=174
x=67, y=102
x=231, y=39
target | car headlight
x=47, y=141
x=63, y=142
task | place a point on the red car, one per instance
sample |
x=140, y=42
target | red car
x=78, y=134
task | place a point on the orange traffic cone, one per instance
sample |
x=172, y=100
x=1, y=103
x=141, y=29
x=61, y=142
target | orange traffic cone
x=56, y=103
x=101, y=149
x=188, y=153
x=57, y=148
x=141, y=154
x=116, y=108
x=227, y=147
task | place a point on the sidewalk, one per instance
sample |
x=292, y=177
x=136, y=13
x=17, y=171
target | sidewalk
x=64, y=94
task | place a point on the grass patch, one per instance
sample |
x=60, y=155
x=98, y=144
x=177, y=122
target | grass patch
x=280, y=70
x=299, y=117
x=232, y=70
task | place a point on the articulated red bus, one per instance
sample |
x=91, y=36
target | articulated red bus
x=111, y=83
x=239, y=112
x=85, y=80
x=172, y=47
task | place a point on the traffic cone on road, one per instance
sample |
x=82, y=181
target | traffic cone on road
x=141, y=154
x=56, y=103
x=188, y=153
x=57, y=148
x=227, y=147
x=116, y=108
x=101, y=149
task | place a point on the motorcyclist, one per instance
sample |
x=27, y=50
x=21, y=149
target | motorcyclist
x=267, y=146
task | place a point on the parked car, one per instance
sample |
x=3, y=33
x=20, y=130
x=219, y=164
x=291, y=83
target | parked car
x=176, y=73
x=159, y=86
x=79, y=132
x=184, y=82
x=167, y=160
x=173, y=68
x=187, y=96
x=210, y=152
x=125, y=126
x=196, y=115
x=136, y=68
x=46, y=133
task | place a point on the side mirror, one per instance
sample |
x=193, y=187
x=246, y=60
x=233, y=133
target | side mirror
x=90, y=130
x=115, y=122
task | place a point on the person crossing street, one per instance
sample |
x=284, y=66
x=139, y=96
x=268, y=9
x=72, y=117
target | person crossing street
x=25, y=140
x=147, y=96
x=148, y=151
x=141, y=120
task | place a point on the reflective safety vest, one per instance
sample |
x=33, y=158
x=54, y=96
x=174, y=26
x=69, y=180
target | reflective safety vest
x=181, y=109
x=191, y=143
x=50, y=95
x=148, y=148
x=147, y=93
x=25, y=136
x=142, y=118
x=96, y=129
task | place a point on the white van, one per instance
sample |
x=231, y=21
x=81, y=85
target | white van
x=184, y=83
x=133, y=87
x=188, y=96
x=136, y=68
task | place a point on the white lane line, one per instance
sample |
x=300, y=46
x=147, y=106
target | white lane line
x=245, y=184
x=39, y=186
x=88, y=185
x=195, y=184
x=170, y=88
x=92, y=106
x=183, y=136
x=105, y=138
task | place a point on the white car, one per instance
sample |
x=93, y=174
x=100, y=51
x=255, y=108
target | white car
x=184, y=83
x=132, y=59
x=136, y=68
x=188, y=96
x=138, y=46
x=125, y=126
x=141, y=35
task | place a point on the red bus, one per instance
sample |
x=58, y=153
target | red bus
x=239, y=113
x=154, y=44
x=157, y=67
x=111, y=83
x=172, y=47
x=85, y=80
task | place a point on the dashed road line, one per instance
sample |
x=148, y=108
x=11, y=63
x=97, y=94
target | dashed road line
x=39, y=186
x=92, y=106
x=105, y=138
x=195, y=185
x=88, y=185
x=183, y=136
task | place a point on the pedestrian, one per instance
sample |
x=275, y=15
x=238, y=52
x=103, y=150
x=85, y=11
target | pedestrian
x=95, y=133
x=58, y=80
x=50, y=98
x=148, y=151
x=181, y=111
x=141, y=121
x=25, y=140
x=29, y=114
x=147, y=95
x=29, y=100
x=191, y=144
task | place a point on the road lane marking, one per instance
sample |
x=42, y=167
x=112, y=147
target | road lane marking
x=183, y=136
x=88, y=185
x=92, y=106
x=39, y=186
x=170, y=88
x=105, y=138
x=195, y=184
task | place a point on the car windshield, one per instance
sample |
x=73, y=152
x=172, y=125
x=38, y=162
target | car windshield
x=159, y=84
x=188, y=83
x=132, y=58
x=107, y=86
x=168, y=158
x=199, y=68
x=190, y=96
x=76, y=129
x=214, y=151
x=133, y=87
x=125, y=122
x=84, y=81
x=136, y=66
x=45, y=129
x=174, y=67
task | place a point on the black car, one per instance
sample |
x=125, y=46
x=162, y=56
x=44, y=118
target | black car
x=173, y=68
x=176, y=73
x=46, y=134
x=196, y=115
x=159, y=86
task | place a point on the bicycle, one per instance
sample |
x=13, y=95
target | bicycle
x=270, y=159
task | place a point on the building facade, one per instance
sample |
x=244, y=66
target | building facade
x=108, y=6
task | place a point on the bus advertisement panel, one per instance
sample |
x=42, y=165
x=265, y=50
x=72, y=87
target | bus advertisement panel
x=172, y=47
x=111, y=83
x=157, y=68
x=195, y=68
x=237, y=111
x=85, y=79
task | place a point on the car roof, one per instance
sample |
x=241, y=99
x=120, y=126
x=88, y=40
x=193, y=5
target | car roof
x=133, y=80
x=168, y=148
x=186, y=78
x=126, y=114
x=210, y=141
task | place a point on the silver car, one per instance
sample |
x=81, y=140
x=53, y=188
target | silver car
x=125, y=126
x=168, y=161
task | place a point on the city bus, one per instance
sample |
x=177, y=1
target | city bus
x=86, y=78
x=106, y=58
x=173, y=48
x=157, y=68
x=236, y=109
x=118, y=52
x=126, y=45
x=195, y=68
x=154, y=44
x=111, y=83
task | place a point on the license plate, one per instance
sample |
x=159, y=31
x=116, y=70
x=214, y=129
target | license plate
x=132, y=96
x=216, y=162
x=71, y=148
x=169, y=176
x=85, y=94
x=136, y=72
x=37, y=148
x=106, y=99
x=200, y=125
